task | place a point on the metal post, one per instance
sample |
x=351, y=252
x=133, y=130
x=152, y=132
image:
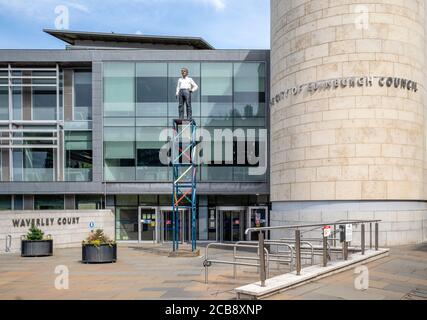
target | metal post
x=261, y=258
x=335, y=235
x=298, y=251
x=234, y=265
x=370, y=235
x=325, y=251
x=362, y=239
x=345, y=250
x=376, y=236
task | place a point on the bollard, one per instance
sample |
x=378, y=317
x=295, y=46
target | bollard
x=325, y=251
x=362, y=239
x=298, y=251
x=376, y=236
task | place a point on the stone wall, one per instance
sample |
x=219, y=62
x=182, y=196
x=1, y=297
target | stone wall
x=403, y=222
x=361, y=143
x=68, y=228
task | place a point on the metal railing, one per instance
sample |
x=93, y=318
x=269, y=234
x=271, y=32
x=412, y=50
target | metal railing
x=298, y=241
x=208, y=262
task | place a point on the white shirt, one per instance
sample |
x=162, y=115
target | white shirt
x=186, y=84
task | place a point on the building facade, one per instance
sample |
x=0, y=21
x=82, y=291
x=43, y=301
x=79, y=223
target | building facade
x=80, y=129
x=348, y=122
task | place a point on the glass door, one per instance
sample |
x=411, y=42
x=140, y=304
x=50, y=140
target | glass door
x=148, y=223
x=258, y=218
x=232, y=222
x=166, y=229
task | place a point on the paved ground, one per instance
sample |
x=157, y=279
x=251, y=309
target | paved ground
x=393, y=277
x=143, y=275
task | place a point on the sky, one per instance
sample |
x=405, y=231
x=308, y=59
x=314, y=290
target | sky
x=225, y=24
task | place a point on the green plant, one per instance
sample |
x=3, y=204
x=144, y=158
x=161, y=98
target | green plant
x=35, y=234
x=98, y=238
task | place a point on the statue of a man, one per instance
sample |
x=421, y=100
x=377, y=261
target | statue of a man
x=185, y=87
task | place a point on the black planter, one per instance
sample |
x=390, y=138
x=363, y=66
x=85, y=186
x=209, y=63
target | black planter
x=104, y=253
x=41, y=248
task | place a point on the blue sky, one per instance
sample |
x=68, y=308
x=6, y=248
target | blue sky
x=226, y=24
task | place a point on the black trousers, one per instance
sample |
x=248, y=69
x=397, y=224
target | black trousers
x=185, y=97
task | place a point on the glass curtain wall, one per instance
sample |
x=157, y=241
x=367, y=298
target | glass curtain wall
x=140, y=102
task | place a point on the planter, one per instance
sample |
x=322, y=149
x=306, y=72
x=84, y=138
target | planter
x=41, y=248
x=104, y=253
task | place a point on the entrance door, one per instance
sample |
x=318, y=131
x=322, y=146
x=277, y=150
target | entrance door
x=167, y=225
x=232, y=224
x=147, y=226
x=258, y=218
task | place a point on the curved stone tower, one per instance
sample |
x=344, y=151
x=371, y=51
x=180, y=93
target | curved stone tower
x=348, y=130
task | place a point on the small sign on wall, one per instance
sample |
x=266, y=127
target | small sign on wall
x=326, y=231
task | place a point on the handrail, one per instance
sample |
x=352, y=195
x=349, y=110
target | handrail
x=299, y=226
x=207, y=261
x=270, y=242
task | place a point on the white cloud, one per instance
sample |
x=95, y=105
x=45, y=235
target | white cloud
x=217, y=4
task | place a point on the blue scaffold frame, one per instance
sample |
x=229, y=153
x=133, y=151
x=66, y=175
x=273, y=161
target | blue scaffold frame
x=183, y=153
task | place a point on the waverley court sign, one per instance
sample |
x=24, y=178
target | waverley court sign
x=346, y=82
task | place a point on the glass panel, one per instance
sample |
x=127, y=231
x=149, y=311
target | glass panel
x=249, y=94
x=82, y=95
x=4, y=103
x=18, y=202
x=217, y=82
x=78, y=125
x=149, y=166
x=119, y=142
x=127, y=224
x=148, y=199
x=78, y=156
x=17, y=103
x=148, y=224
x=44, y=103
x=151, y=89
x=33, y=165
x=5, y=203
x=49, y=202
x=119, y=89
x=119, y=153
x=89, y=202
x=126, y=200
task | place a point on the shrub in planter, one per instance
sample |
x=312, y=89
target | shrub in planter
x=35, y=244
x=98, y=248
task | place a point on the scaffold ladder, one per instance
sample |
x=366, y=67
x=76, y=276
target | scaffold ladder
x=184, y=177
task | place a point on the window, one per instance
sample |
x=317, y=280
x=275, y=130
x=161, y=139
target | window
x=119, y=89
x=82, y=95
x=89, y=202
x=149, y=166
x=119, y=153
x=249, y=94
x=4, y=103
x=33, y=165
x=151, y=89
x=49, y=202
x=5, y=203
x=217, y=90
x=78, y=156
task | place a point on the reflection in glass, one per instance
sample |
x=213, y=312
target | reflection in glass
x=82, y=95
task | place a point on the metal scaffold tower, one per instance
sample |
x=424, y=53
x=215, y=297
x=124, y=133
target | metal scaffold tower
x=184, y=178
